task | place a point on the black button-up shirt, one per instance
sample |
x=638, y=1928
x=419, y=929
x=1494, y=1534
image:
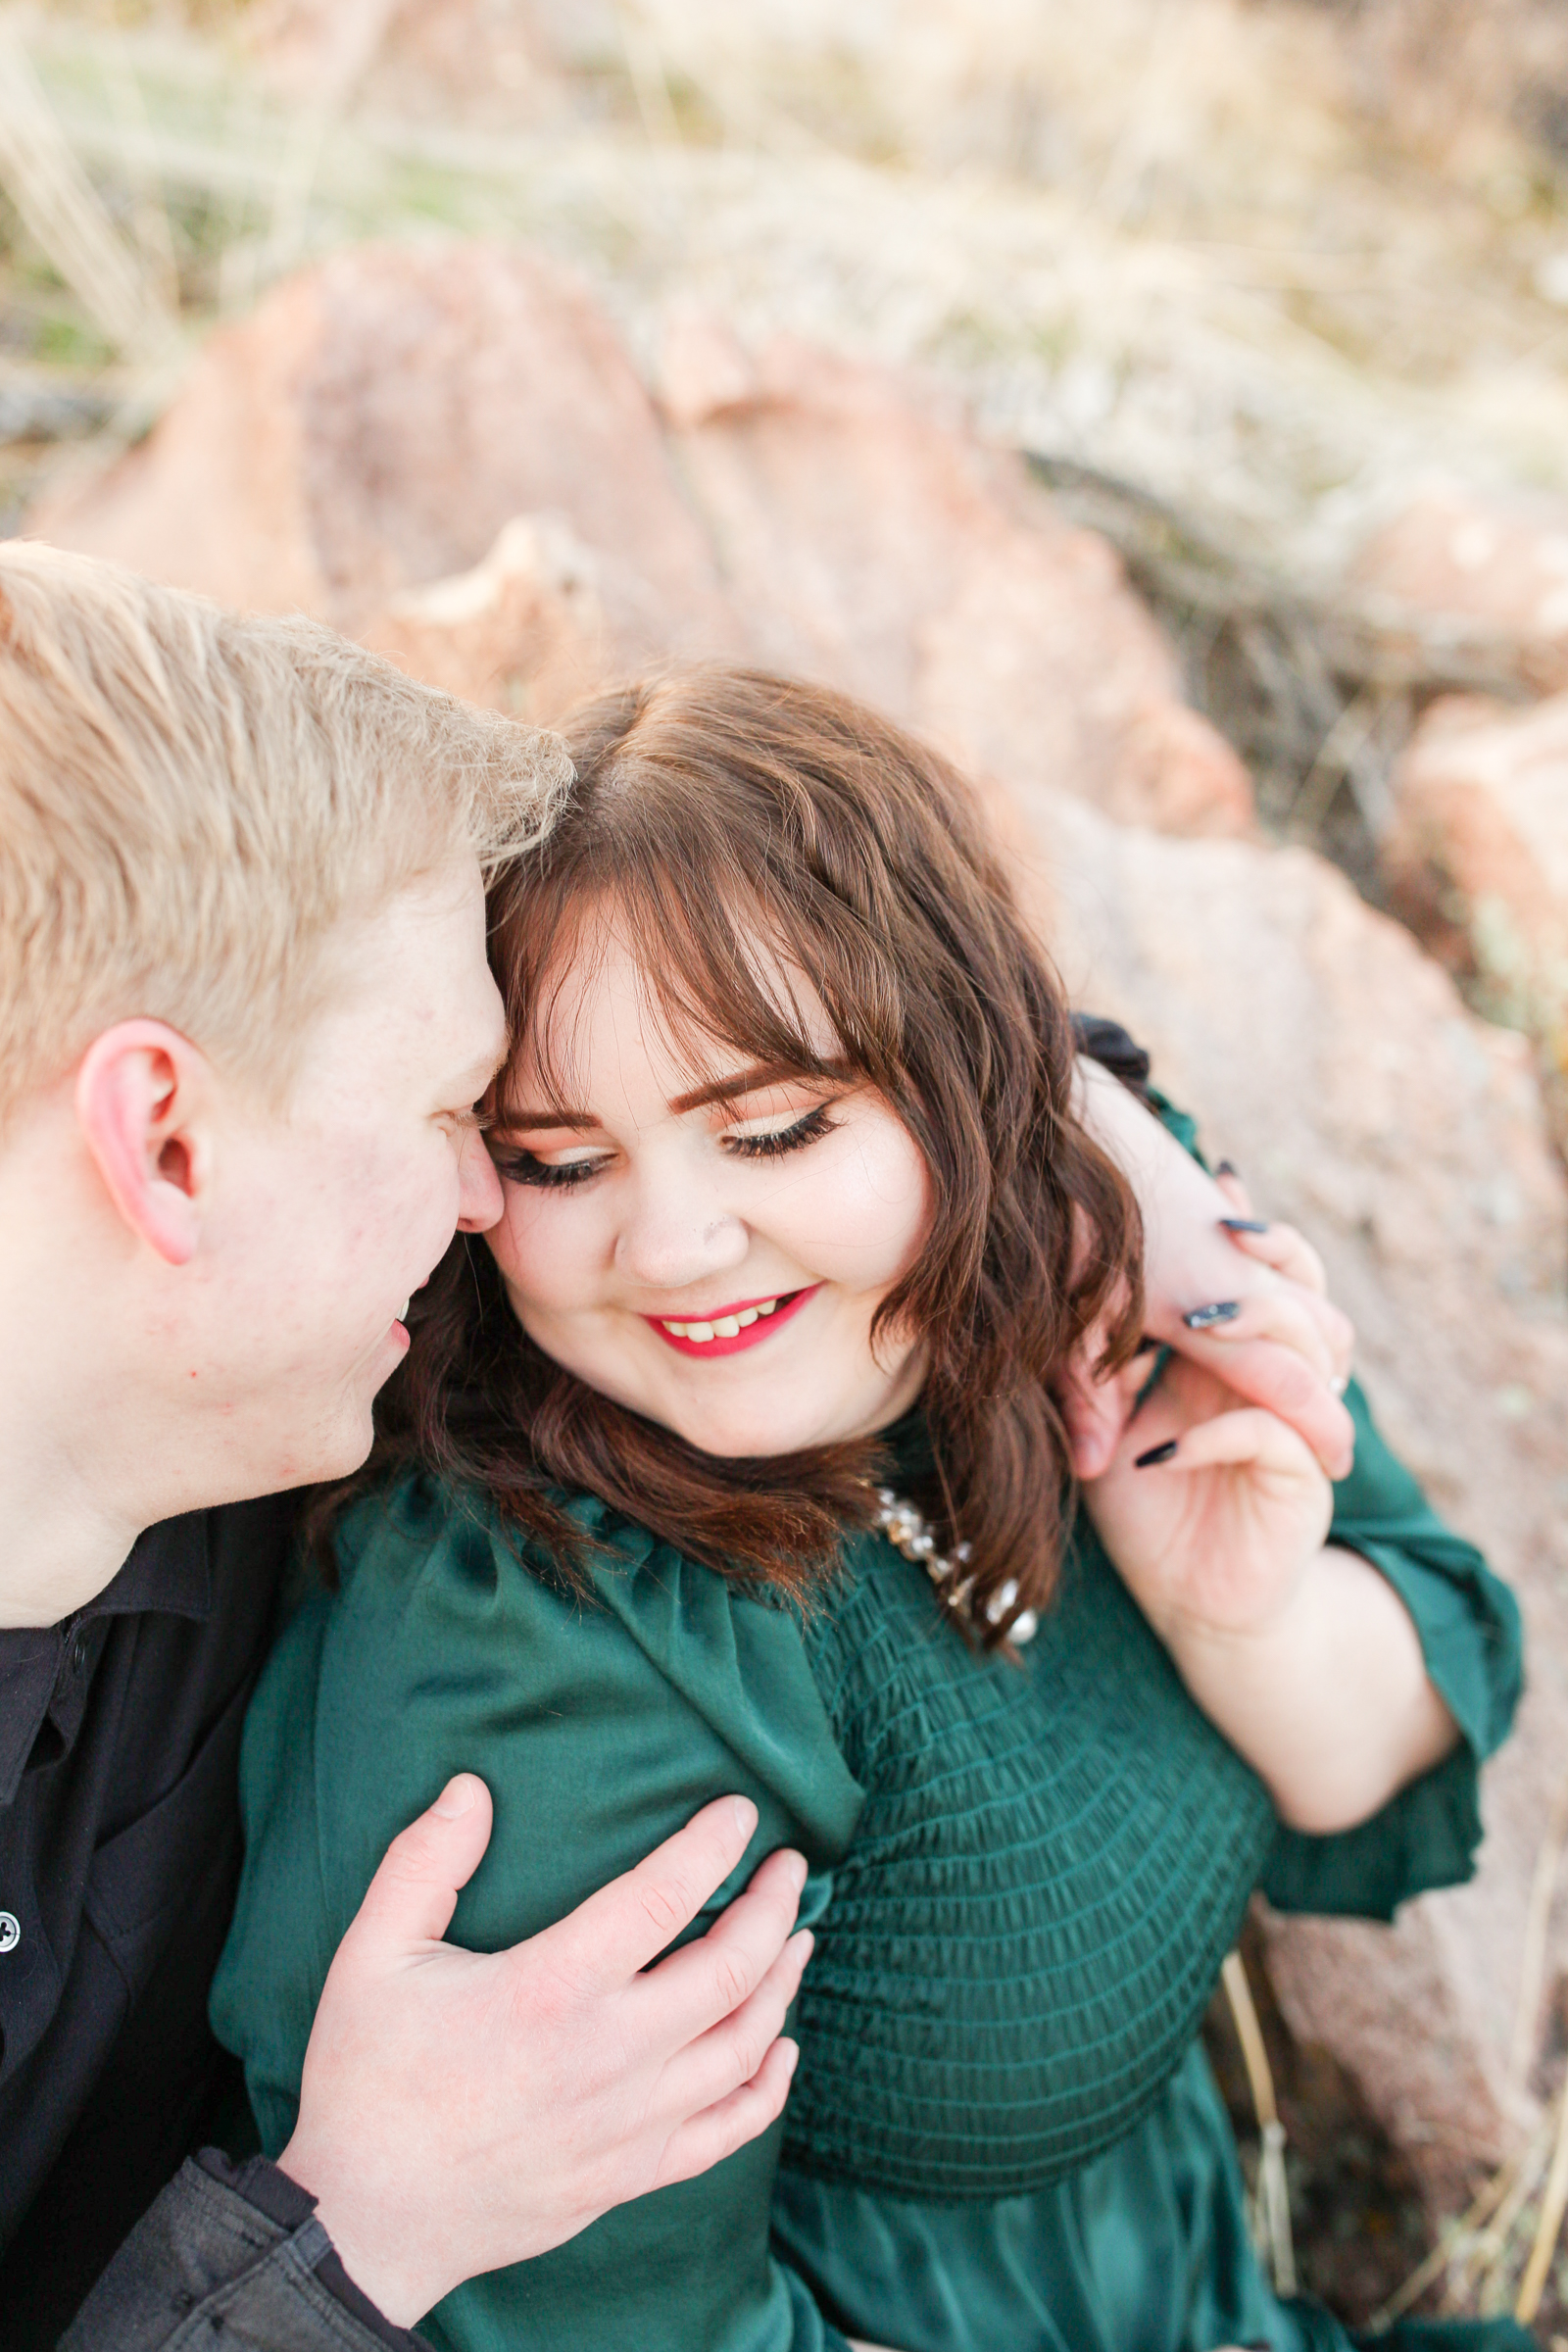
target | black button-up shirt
x=118, y=1858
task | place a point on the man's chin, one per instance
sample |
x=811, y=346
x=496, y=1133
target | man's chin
x=344, y=1458
x=334, y=1451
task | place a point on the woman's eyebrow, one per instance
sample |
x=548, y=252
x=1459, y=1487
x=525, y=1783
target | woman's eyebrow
x=519, y=1122
x=747, y=1082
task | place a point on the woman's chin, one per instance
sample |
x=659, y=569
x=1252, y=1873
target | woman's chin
x=732, y=1445
x=751, y=1436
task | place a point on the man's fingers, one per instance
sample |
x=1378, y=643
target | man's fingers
x=706, y=2069
x=611, y=1937
x=708, y=2138
x=414, y=1893
x=709, y=1981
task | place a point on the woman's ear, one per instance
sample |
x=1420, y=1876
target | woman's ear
x=142, y=1095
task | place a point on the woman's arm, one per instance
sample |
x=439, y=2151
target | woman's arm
x=1217, y=1517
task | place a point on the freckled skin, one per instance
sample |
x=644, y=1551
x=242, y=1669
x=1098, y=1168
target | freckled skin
x=675, y=1222
x=243, y=1358
x=325, y=1219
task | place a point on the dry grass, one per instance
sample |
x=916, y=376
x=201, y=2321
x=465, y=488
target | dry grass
x=1180, y=240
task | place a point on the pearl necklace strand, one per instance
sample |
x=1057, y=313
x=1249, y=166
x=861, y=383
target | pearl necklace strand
x=911, y=1532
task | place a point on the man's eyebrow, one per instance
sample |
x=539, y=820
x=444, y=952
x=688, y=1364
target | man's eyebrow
x=749, y=1082
x=473, y=1079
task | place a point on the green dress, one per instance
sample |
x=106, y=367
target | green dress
x=1002, y=2137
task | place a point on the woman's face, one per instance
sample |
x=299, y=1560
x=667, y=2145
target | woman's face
x=707, y=1247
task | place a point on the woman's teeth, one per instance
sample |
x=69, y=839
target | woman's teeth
x=726, y=1327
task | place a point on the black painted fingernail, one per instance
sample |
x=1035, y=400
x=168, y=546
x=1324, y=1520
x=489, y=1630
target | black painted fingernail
x=1155, y=1453
x=1245, y=1224
x=1228, y=1168
x=1203, y=1318
x=1143, y=1345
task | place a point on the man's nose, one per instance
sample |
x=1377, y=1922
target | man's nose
x=479, y=1198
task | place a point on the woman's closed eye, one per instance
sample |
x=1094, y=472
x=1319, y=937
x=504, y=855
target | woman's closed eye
x=756, y=1142
x=516, y=1165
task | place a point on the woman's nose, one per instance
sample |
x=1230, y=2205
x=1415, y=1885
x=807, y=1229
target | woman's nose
x=676, y=1232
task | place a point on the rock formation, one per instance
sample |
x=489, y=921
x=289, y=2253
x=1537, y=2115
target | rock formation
x=373, y=426
x=867, y=542
x=1487, y=571
x=1477, y=858
x=378, y=424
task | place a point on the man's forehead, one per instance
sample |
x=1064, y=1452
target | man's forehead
x=411, y=983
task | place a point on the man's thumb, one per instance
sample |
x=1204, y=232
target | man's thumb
x=414, y=1893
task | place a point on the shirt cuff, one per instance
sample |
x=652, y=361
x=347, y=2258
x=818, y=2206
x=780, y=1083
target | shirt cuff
x=284, y=2201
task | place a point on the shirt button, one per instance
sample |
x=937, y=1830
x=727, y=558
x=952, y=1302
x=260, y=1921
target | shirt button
x=78, y=1653
x=10, y=1930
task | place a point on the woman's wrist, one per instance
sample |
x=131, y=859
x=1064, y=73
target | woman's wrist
x=1328, y=1699
x=1255, y=1629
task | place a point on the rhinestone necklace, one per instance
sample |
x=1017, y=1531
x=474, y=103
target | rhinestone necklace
x=910, y=1531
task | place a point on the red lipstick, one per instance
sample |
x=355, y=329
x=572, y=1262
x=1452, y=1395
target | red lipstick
x=789, y=1303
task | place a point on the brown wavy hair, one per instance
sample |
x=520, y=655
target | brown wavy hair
x=713, y=808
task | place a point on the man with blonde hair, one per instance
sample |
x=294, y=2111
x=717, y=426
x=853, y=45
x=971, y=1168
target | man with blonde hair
x=245, y=1016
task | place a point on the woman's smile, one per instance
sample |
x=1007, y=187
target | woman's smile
x=726, y=1330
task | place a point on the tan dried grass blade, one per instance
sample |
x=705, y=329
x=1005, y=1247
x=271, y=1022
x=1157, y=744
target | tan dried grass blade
x=1273, y=2192
x=1537, y=1921
x=63, y=213
x=1554, y=2205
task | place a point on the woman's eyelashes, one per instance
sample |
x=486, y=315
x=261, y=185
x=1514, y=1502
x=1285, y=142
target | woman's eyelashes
x=772, y=1142
x=526, y=1167
x=517, y=1165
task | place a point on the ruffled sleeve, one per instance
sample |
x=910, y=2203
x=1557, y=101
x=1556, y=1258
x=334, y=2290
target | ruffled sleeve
x=1468, y=1623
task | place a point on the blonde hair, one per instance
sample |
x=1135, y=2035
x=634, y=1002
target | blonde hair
x=192, y=802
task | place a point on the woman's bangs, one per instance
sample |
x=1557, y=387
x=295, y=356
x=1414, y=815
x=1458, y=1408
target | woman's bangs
x=725, y=983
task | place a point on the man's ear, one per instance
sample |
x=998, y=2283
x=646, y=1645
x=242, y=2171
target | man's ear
x=142, y=1095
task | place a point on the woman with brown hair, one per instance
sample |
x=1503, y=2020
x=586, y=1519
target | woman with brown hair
x=732, y=1459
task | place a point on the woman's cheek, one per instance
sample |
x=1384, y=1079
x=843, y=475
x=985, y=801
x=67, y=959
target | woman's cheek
x=881, y=1208
x=531, y=1245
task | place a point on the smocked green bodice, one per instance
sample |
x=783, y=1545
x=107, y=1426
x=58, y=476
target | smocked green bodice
x=1050, y=1862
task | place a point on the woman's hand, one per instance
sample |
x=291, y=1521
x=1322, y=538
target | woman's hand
x=1264, y=1323
x=1213, y=1511
x=1214, y=1514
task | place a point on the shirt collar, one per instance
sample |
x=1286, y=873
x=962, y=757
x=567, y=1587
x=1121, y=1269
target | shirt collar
x=167, y=1568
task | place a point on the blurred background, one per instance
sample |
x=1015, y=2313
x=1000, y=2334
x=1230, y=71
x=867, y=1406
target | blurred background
x=1163, y=403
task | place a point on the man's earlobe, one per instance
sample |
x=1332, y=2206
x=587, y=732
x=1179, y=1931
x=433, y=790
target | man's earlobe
x=139, y=1091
